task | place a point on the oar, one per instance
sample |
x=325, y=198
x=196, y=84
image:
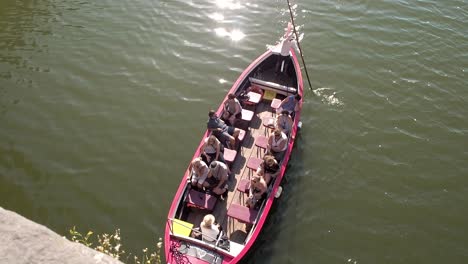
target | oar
x=298, y=45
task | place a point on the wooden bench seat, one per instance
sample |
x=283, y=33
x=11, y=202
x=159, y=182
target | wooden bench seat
x=242, y=213
x=229, y=156
x=243, y=185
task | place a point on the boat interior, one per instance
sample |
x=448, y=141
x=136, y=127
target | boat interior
x=236, y=220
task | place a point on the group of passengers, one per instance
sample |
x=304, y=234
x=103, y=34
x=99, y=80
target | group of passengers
x=209, y=172
x=213, y=177
x=276, y=147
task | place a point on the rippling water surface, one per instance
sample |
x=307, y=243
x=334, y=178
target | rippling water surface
x=102, y=104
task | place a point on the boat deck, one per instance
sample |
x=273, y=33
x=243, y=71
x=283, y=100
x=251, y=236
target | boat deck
x=235, y=230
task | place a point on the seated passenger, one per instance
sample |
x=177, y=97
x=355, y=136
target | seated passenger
x=290, y=103
x=232, y=109
x=209, y=229
x=211, y=150
x=277, y=144
x=198, y=172
x=217, y=178
x=284, y=122
x=258, y=188
x=226, y=134
x=268, y=169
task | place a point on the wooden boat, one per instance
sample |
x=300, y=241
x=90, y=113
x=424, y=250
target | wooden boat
x=240, y=225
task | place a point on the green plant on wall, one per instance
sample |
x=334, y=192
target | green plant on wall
x=111, y=245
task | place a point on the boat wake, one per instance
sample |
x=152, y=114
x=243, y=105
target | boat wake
x=328, y=96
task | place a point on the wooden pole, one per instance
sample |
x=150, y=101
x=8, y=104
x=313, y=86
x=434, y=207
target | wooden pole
x=298, y=45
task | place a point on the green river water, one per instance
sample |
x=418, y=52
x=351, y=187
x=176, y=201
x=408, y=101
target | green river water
x=102, y=104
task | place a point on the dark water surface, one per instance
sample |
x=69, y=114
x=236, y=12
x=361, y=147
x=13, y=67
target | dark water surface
x=102, y=104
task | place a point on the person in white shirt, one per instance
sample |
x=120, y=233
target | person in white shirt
x=211, y=150
x=284, y=47
x=198, y=172
x=209, y=229
x=277, y=144
x=284, y=122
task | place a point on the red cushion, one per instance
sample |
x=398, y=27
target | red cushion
x=261, y=142
x=247, y=115
x=229, y=155
x=254, y=98
x=253, y=163
x=243, y=185
x=275, y=104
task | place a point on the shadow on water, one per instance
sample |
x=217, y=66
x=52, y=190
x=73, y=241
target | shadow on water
x=282, y=218
x=13, y=187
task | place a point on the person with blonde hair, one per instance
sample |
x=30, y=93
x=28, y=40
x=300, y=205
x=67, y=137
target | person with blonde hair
x=211, y=150
x=277, y=144
x=232, y=109
x=258, y=188
x=268, y=169
x=209, y=229
x=198, y=172
x=284, y=122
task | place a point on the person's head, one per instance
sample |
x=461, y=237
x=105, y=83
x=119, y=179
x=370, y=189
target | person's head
x=212, y=140
x=285, y=112
x=297, y=97
x=255, y=179
x=212, y=114
x=208, y=220
x=213, y=165
x=231, y=96
x=196, y=162
x=269, y=160
x=277, y=133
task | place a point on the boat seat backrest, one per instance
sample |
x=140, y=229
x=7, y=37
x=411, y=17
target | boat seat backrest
x=271, y=86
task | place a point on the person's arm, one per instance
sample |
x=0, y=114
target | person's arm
x=212, y=129
x=277, y=121
x=260, y=170
x=270, y=140
x=297, y=107
x=224, y=178
x=202, y=149
x=190, y=171
x=221, y=182
x=205, y=172
x=218, y=150
x=282, y=144
x=285, y=100
x=238, y=107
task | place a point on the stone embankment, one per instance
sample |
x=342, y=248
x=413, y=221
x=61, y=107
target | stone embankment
x=25, y=242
